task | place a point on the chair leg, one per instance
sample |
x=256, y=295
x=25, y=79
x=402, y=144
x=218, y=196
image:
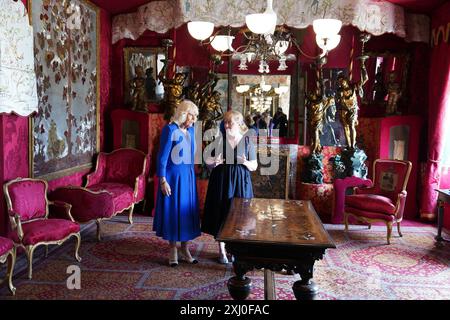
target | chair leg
x=130, y=214
x=369, y=226
x=98, y=230
x=398, y=228
x=46, y=251
x=30, y=251
x=346, y=221
x=77, y=247
x=10, y=272
x=389, y=232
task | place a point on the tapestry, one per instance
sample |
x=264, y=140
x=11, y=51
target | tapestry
x=64, y=133
x=17, y=78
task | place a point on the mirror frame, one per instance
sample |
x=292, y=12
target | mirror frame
x=403, y=56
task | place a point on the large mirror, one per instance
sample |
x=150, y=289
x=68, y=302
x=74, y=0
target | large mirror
x=142, y=66
x=387, y=84
x=268, y=101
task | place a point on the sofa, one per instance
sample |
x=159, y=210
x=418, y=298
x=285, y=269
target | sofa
x=122, y=173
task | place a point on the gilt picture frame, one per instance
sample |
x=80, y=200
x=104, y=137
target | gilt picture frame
x=64, y=134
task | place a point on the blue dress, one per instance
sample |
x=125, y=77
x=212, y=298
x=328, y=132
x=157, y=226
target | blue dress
x=226, y=182
x=177, y=216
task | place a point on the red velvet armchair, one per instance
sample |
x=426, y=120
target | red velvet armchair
x=123, y=174
x=28, y=209
x=82, y=205
x=385, y=200
x=8, y=253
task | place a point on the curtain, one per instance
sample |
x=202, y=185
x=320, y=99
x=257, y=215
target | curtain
x=438, y=114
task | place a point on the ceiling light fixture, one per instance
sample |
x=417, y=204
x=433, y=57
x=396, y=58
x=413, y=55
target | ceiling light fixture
x=265, y=41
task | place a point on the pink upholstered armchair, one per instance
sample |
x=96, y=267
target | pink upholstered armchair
x=82, y=205
x=122, y=173
x=28, y=210
x=385, y=200
x=8, y=253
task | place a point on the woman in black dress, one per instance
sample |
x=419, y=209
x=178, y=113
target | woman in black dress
x=233, y=159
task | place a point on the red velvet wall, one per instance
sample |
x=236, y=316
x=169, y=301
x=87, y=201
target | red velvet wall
x=415, y=125
x=14, y=136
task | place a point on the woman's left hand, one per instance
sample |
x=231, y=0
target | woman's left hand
x=242, y=159
x=250, y=165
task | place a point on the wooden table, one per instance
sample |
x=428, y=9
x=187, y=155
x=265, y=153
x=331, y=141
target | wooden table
x=444, y=197
x=274, y=235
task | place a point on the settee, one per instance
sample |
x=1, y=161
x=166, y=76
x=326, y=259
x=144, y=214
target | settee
x=123, y=173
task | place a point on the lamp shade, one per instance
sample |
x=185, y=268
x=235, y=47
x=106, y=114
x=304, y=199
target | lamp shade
x=242, y=88
x=222, y=43
x=281, y=47
x=261, y=23
x=327, y=44
x=327, y=27
x=200, y=30
x=281, y=90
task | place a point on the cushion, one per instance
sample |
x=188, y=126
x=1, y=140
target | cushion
x=370, y=202
x=122, y=193
x=27, y=198
x=5, y=245
x=45, y=230
x=370, y=215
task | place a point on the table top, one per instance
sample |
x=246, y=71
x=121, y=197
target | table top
x=274, y=221
x=444, y=194
x=444, y=191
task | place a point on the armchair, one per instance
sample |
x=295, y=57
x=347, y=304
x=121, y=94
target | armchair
x=385, y=200
x=123, y=174
x=28, y=209
x=8, y=253
x=82, y=205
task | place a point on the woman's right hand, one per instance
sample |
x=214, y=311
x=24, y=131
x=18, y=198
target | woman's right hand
x=218, y=160
x=165, y=188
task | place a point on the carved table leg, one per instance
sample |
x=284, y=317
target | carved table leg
x=269, y=285
x=239, y=286
x=305, y=289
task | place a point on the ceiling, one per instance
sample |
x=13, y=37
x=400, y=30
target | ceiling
x=419, y=6
x=121, y=6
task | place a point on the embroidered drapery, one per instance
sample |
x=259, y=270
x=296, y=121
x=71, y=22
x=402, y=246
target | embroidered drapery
x=375, y=17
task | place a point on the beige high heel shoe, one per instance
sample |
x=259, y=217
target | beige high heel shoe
x=186, y=255
x=173, y=257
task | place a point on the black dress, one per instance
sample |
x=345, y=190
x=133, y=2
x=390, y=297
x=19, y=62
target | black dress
x=226, y=182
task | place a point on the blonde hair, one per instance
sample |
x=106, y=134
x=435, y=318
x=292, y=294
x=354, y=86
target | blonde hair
x=183, y=108
x=237, y=117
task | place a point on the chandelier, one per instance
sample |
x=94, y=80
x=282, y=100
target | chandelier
x=264, y=41
x=260, y=95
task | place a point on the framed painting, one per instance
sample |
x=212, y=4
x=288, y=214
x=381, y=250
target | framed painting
x=64, y=133
x=142, y=66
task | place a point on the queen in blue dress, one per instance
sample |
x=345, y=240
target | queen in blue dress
x=177, y=211
x=233, y=158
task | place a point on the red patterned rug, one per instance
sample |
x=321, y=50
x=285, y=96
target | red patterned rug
x=130, y=263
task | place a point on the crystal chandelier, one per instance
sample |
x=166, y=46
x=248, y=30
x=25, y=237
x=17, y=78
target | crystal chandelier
x=264, y=41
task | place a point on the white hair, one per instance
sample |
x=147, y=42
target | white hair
x=183, y=108
x=237, y=117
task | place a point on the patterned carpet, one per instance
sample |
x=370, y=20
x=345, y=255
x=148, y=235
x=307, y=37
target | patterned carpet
x=130, y=263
